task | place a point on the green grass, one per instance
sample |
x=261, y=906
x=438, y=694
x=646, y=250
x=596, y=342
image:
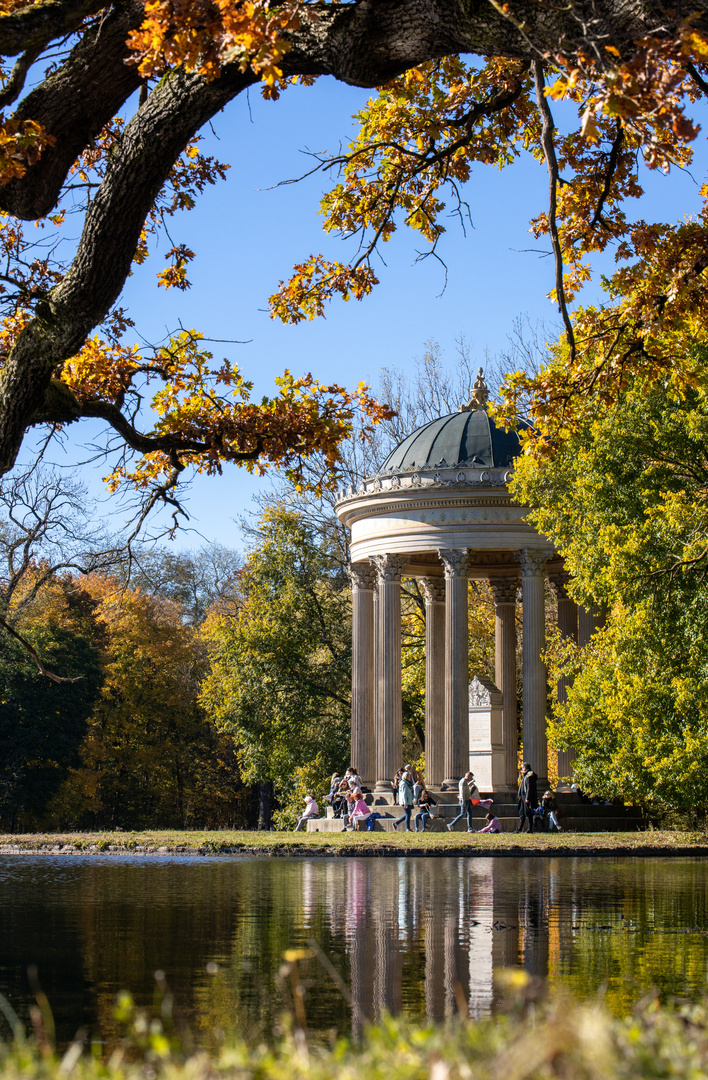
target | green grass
x=532, y=1040
x=171, y=841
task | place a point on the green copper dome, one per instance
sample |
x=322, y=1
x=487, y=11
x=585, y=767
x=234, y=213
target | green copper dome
x=468, y=438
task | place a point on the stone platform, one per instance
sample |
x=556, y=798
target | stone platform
x=576, y=816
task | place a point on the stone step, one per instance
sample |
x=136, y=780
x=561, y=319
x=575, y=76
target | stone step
x=509, y=823
x=501, y=810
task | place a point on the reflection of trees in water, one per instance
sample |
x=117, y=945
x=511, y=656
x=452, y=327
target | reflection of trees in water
x=657, y=910
x=408, y=935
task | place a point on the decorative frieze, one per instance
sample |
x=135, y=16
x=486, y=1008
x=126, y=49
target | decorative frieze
x=479, y=695
x=438, y=476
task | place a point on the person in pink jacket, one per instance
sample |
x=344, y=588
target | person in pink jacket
x=360, y=812
x=493, y=824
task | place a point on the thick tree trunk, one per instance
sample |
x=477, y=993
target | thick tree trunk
x=265, y=801
x=365, y=44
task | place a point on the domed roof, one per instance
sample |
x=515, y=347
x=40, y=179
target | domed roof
x=466, y=438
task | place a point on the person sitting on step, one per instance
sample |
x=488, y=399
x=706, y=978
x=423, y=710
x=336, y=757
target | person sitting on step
x=425, y=802
x=361, y=811
x=493, y=824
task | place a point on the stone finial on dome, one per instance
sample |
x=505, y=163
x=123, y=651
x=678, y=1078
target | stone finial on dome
x=480, y=395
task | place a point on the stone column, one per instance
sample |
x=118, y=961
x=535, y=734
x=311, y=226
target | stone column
x=504, y=591
x=589, y=620
x=434, y=591
x=363, y=756
x=568, y=627
x=389, y=720
x=533, y=563
x=457, y=757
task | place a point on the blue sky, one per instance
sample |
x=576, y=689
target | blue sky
x=248, y=233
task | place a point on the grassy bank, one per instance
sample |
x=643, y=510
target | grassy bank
x=532, y=1041
x=175, y=842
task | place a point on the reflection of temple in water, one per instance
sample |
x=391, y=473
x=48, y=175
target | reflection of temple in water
x=454, y=926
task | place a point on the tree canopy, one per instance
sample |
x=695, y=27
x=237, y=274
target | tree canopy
x=624, y=499
x=633, y=75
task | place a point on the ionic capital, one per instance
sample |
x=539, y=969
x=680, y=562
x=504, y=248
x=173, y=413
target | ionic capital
x=504, y=590
x=533, y=562
x=362, y=576
x=455, y=561
x=560, y=582
x=389, y=567
x=433, y=589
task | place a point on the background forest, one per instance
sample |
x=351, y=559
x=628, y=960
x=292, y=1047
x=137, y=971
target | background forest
x=210, y=688
x=147, y=687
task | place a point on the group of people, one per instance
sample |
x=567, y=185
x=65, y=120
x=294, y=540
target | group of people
x=530, y=809
x=409, y=790
x=347, y=798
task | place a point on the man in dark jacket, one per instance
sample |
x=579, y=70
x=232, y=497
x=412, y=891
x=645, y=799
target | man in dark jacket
x=527, y=797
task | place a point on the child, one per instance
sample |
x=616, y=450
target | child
x=493, y=824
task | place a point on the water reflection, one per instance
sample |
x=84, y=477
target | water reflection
x=422, y=937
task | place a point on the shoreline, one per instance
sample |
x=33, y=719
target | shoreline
x=365, y=845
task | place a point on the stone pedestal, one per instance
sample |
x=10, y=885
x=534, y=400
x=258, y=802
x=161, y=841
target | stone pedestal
x=389, y=722
x=487, y=756
x=434, y=592
x=456, y=665
x=533, y=563
x=504, y=591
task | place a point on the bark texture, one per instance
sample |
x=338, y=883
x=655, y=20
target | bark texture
x=364, y=44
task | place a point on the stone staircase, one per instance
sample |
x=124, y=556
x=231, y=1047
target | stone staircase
x=576, y=816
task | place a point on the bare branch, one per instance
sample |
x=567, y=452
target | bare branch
x=552, y=165
x=609, y=175
x=16, y=82
x=34, y=26
x=33, y=653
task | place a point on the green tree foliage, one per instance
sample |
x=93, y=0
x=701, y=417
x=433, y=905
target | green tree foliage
x=624, y=499
x=150, y=756
x=281, y=661
x=42, y=723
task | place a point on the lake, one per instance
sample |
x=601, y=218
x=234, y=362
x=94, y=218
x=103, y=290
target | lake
x=417, y=936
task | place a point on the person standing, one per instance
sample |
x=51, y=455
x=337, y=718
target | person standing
x=527, y=797
x=405, y=799
x=465, y=800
